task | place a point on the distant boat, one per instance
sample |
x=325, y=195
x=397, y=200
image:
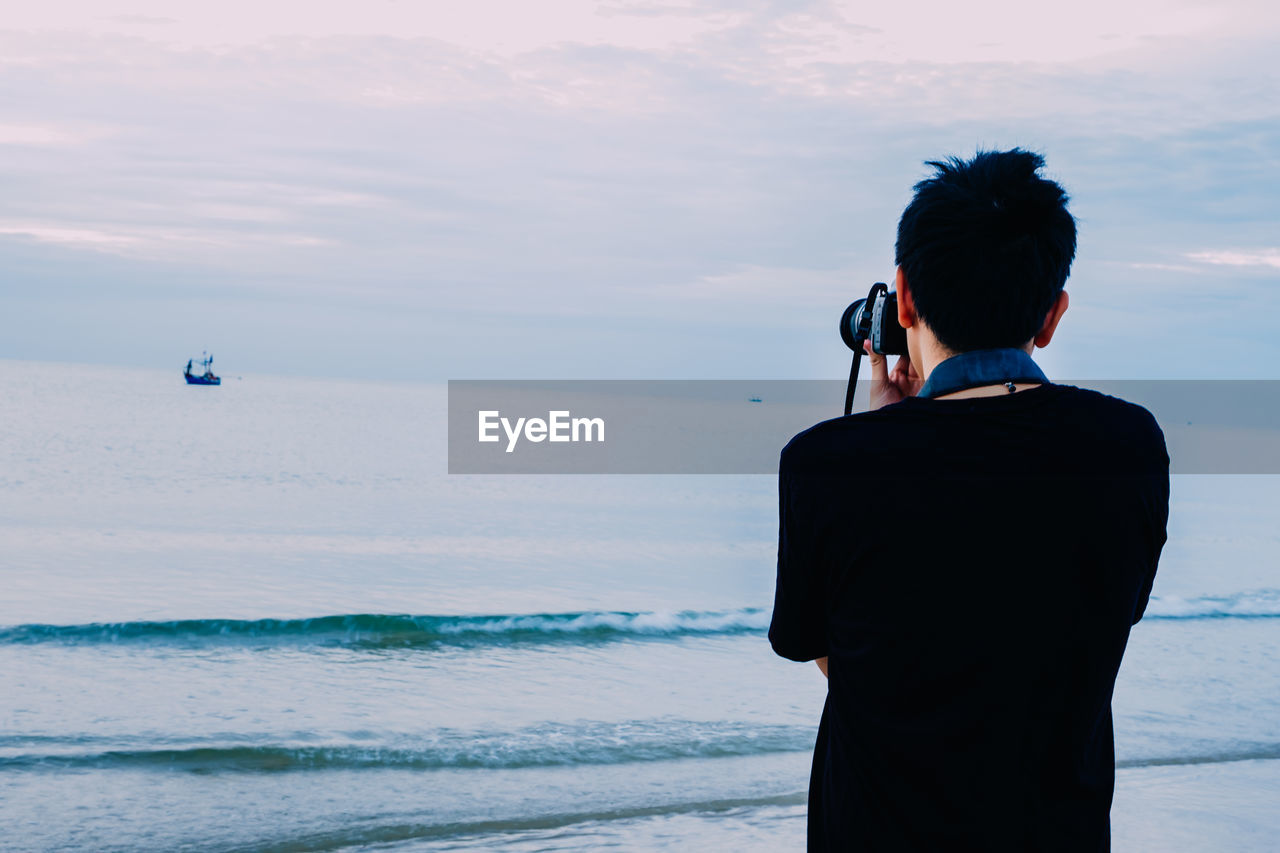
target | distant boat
x=206, y=378
x=755, y=400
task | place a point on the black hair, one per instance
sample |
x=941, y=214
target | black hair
x=986, y=246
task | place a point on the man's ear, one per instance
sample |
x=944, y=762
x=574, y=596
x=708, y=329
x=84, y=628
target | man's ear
x=1051, y=319
x=906, y=306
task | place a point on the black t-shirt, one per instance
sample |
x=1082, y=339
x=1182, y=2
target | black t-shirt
x=971, y=568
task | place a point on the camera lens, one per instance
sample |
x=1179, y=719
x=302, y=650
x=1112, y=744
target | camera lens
x=849, y=325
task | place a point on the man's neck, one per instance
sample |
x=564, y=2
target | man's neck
x=934, y=354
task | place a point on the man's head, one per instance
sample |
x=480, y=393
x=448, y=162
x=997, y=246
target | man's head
x=983, y=251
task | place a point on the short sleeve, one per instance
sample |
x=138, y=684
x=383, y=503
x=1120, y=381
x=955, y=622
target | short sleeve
x=798, y=628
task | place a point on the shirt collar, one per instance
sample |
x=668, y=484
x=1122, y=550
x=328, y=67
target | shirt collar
x=981, y=367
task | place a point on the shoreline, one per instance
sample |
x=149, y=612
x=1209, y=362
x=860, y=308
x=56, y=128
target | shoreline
x=1227, y=807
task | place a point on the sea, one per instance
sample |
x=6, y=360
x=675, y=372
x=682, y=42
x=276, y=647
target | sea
x=263, y=617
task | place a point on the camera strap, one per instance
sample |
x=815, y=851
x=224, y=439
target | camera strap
x=982, y=367
x=853, y=382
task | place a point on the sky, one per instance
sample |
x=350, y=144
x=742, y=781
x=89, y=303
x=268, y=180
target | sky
x=574, y=189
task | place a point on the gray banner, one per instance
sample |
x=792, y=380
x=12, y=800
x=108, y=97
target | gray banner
x=739, y=426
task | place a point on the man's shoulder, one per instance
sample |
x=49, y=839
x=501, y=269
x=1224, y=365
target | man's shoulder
x=841, y=435
x=1123, y=421
x=1077, y=396
x=1068, y=413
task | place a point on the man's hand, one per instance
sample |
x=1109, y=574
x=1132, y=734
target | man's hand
x=890, y=387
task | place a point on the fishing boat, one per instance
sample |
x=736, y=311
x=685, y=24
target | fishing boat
x=206, y=378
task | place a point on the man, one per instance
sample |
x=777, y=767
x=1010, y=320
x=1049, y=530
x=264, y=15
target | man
x=965, y=561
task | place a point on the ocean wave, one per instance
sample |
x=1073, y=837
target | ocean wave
x=547, y=745
x=1246, y=752
x=544, y=745
x=396, y=630
x=389, y=630
x=472, y=834
x=1256, y=604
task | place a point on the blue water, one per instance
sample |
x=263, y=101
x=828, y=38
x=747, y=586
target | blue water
x=262, y=617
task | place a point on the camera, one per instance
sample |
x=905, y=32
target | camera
x=874, y=318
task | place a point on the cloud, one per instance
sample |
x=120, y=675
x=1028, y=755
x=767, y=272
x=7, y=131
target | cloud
x=699, y=169
x=78, y=237
x=49, y=135
x=157, y=242
x=1160, y=267
x=841, y=30
x=145, y=20
x=1238, y=258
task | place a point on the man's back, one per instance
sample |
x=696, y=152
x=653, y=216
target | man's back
x=971, y=567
